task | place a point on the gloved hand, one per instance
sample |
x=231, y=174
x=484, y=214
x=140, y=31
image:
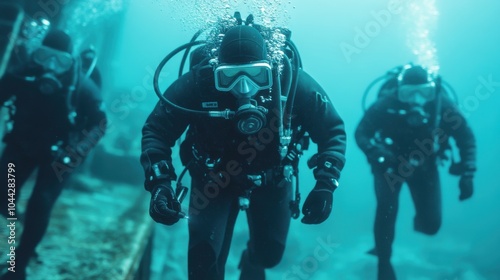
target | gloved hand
x=164, y=207
x=318, y=204
x=466, y=187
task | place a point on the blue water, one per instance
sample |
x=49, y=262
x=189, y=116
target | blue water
x=460, y=39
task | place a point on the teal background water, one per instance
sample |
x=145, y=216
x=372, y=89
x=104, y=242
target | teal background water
x=466, y=42
x=463, y=41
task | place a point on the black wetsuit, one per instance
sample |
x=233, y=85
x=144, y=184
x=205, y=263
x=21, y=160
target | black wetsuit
x=415, y=152
x=215, y=188
x=39, y=122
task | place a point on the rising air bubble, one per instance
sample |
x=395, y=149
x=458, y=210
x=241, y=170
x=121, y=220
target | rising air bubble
x=420, y=18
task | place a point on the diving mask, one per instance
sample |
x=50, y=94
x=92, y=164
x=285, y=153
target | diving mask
x=418, y=94
x=243, y=78
x=53, y=60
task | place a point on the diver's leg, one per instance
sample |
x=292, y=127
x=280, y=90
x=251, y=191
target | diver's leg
x=45, y=193
x=387, y=194
x=268, y=218
x=425, y=190
x=212, y=214
x=22, y=167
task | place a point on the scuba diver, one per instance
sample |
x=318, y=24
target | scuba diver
x=404, y=135
x=248, y=120
x=56, y=118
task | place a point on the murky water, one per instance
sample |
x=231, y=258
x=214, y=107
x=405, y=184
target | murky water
x=344, y=45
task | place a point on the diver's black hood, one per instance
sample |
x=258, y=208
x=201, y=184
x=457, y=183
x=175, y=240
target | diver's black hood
x=59, y=40
x=242, y=44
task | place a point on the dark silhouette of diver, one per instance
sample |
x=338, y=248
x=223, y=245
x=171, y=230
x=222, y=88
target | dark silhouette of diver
x=241, y=160
x=56, y=119
x=404, y=135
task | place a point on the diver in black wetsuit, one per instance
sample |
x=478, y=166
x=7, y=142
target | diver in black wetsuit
x=57, y=118
x=240, y=162
x=404, y=135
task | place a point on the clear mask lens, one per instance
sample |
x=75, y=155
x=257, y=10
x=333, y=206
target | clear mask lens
x=417, y=93
x=52, y=59
x=258, y=74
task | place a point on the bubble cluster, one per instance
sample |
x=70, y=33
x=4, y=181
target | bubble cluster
x=216, y=17
x=90, y=13
x=421, y=17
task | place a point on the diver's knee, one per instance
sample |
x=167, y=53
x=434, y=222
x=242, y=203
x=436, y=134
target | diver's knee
x=271, y=260
x=429, y=227
x=202, y=252
x=268, y=257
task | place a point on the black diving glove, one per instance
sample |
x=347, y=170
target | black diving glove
x=164, y=207
x=466, y=187
x=318, y=204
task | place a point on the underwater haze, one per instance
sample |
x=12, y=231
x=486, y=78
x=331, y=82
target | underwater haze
x=344, y=45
